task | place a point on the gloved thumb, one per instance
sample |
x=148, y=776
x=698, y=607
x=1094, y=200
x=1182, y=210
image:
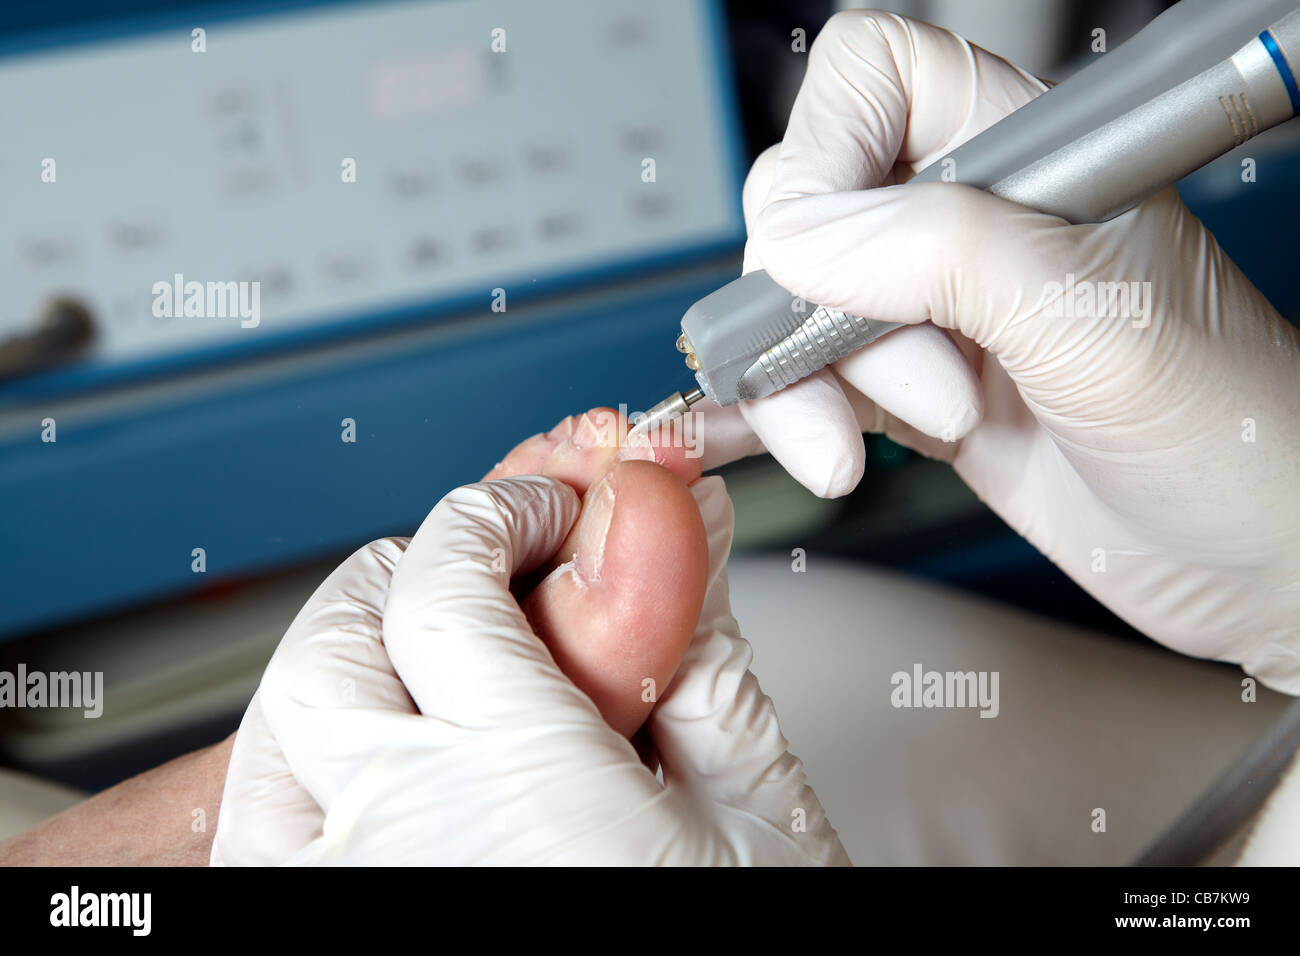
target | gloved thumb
x=448, y=622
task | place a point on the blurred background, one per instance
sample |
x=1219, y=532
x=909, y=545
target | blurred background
x=478, y=175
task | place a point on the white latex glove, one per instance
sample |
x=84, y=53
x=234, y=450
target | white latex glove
x=411, y=716
x=1156, y=465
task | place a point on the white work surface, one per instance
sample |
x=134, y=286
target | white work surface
x=1086, y=721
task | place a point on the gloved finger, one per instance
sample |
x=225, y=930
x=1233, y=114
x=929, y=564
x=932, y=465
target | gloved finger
x=758, y=183
x=811, y=429
x=881, y=89
x=331, y=676
x=919, y=376
x=716, y=733
x=875, y=419
x=266, y=816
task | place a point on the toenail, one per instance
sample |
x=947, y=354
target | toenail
x=598, y=510
x=594, y=431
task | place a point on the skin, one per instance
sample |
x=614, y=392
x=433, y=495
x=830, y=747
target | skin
x=616, y=605
x=148, y=820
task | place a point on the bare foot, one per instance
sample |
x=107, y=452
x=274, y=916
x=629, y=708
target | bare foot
x=623, y=594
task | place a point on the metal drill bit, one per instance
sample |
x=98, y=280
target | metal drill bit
x=671, y=408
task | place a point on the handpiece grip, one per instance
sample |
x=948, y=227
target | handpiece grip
x=752, y=338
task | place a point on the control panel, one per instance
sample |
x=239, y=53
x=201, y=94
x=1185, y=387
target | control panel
x=206, y=188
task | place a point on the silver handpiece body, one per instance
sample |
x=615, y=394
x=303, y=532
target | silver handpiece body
x=1198, y=81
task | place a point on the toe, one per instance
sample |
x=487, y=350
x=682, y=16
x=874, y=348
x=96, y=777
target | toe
x=620, y=610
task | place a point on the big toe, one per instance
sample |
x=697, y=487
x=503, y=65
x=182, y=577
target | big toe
x=622, y=603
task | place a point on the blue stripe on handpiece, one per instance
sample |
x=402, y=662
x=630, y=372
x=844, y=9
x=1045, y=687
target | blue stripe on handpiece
x=1284, y=68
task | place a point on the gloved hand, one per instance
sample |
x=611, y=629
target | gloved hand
x=1153, y=457
x=410, y=715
